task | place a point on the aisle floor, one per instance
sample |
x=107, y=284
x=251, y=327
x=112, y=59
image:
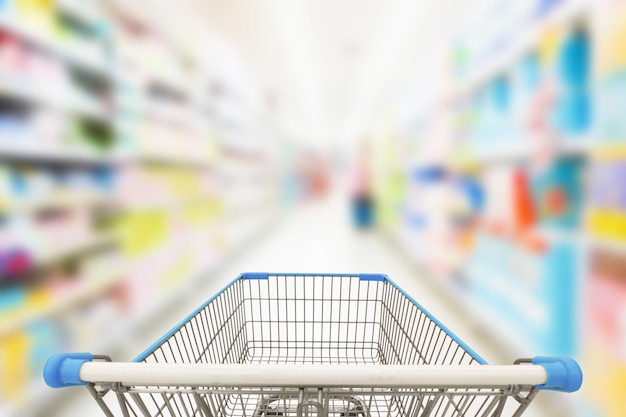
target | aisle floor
x=316, y=237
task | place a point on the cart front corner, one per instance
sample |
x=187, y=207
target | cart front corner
x=562, y=373
x=63, y=369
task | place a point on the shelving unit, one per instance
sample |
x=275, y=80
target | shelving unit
x=77, y=297
x=525, y=40
x=33, y=154
x=63, y=200
x=27, y=32
x=527, y=278
x=26, y=93
x=501, y=270
x=518, y=151
x=72, y=249
x=131, y=152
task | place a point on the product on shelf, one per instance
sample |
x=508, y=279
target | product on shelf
x=607, y=199
x=605, y=333
x=14, y=263
x=558, y=191
x=90, y=135
x=14, y=370
x=64, y=113
x=527, y=290
x=609, y=34
x=523, y=205
x=526, y=79
x=573, y=109
x=546, y=6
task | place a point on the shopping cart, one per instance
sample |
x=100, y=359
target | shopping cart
x=311, y=344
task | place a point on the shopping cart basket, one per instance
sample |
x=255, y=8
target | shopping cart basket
x=302, y=344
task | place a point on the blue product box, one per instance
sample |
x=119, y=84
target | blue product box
x=573, y=113
x=560, y=285
x=574, y=61
x=610, y=102
x=558, y=193
x=44, y=338
x=545, y=6
x=12, y=298
x=103, y=178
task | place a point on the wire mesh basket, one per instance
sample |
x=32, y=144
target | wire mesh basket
x=311, y=344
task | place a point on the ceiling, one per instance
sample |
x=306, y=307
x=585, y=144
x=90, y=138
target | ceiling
x=332, y=66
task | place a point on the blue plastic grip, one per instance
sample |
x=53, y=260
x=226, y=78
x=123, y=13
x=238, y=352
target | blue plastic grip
x=266, y=275
x=564, y=374
x=63, y=369
x=372, y=277
x=255, y=275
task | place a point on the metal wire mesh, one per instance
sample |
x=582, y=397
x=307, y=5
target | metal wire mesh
x=292, y=319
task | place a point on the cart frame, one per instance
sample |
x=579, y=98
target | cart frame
x=294, y=344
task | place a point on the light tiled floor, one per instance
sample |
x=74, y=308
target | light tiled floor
x=316, y=237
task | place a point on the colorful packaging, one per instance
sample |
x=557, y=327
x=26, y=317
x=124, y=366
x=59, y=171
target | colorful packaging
x=610, y=99
x=558, y=192
x=573, y=108
x=607, y=199
x=605, y=335
x=605, y=304
x=14, y=366
x=523, y=204
x=44, y=340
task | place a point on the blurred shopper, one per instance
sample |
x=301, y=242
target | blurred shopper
x=361, y=190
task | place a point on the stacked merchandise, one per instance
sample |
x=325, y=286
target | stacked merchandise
x=192, y=186
x=169, y=231
x=603, y=297
x=57, y=179
x=498, y=221
x=116, y=187
x=528, y=134
x=535, y=206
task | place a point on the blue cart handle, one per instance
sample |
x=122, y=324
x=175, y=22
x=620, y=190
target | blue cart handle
x=563, y=374
x=63, y=369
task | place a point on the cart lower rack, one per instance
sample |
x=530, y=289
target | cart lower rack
x=311, y=344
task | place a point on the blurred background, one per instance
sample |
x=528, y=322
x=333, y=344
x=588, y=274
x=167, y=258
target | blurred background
x=151, y=150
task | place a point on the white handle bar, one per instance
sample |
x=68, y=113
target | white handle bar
x=552, y=373
x=266, y=375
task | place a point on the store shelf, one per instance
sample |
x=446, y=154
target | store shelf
x=154, y=142
x=81, y=10
x=61, y=200
x=518, y=149
x=38, y=153
x=528, y=38
x=55, y=46
x=177, y=85
x=485, y=318
x=614, y=246
x=74, y=248
x=100, y=283
x=237, y=211
x=164, y=204
x=169, y=299
x=555, y=235
x=23, y=90
x=188, y=161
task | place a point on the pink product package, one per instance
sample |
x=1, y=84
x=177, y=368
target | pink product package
x=145, y=277
x=139, y=187
x=606, y=313
x=202, y=250
x=63, y=229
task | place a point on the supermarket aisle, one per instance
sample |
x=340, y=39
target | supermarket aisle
x=316, y=237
